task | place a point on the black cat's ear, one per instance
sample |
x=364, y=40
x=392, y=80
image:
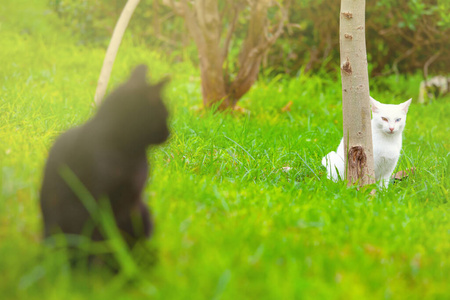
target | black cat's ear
x=162, y=82
x=139, y=75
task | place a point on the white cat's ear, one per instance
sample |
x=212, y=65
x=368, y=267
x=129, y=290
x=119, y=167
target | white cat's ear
x=375, y=105
x=405, y=105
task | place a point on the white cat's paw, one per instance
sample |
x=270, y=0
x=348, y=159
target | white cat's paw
x=334, y=165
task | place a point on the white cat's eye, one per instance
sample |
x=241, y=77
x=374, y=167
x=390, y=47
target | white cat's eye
x=384, y=119
x=398, y=120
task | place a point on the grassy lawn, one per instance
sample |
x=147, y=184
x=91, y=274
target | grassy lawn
x=231, y=223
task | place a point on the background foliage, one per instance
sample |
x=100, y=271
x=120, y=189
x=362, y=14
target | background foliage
x=402, y=35
x=232, y=221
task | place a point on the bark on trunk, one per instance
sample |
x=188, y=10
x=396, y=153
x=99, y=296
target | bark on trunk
x=113, y=47
x=355, y=94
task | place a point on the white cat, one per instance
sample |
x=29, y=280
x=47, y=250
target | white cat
x=388, y=122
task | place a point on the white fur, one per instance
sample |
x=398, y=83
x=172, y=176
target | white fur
x=387, y=143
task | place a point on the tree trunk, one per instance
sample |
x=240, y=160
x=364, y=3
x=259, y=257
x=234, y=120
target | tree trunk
x=205, y=25
x=113, y=47
x=207, y=37
x=355, y=94
x=251, y=54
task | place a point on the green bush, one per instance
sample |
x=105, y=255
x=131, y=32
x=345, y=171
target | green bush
x=93, y=22
x=402, y=36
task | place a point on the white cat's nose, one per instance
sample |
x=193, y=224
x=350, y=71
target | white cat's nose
x=391, y=129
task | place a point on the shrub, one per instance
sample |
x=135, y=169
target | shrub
x=402, y=36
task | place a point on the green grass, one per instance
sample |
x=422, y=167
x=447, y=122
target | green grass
x=230, y=223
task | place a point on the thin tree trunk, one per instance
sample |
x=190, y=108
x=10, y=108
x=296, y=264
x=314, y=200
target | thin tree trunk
x=355, y=94
x=113, y=47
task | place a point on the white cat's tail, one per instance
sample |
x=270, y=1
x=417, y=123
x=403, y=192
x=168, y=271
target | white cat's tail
x=335, y=166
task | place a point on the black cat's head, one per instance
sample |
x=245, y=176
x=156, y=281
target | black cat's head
x=135, y=112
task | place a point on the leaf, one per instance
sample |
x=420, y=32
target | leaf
x=287, y=107
x=400, y=175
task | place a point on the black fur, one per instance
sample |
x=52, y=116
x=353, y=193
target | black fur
x=108, y=156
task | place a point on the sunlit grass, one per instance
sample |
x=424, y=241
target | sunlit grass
x=230, y=221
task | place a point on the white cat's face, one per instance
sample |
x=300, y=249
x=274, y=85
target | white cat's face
x=389, y=118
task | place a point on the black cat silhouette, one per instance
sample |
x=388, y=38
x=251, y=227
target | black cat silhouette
x=107, y=155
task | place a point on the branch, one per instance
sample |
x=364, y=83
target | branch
x=177, y=7
x=402, y=57
x=113, y=47
x=284, y=17
x=230, y=32
x=429, y=62
x=193, y=25
x=253, y=49
x=262, y=46
x=259, y=49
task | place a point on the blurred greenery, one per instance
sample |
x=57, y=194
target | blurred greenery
x=231, y=221
x=402, y=35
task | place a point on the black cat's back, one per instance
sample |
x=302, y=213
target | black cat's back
x=54, y=189
x=107, y=155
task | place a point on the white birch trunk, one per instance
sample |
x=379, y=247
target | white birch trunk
x=113, y=47
x=355, y=94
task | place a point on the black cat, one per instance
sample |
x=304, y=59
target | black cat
x=108, y=157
